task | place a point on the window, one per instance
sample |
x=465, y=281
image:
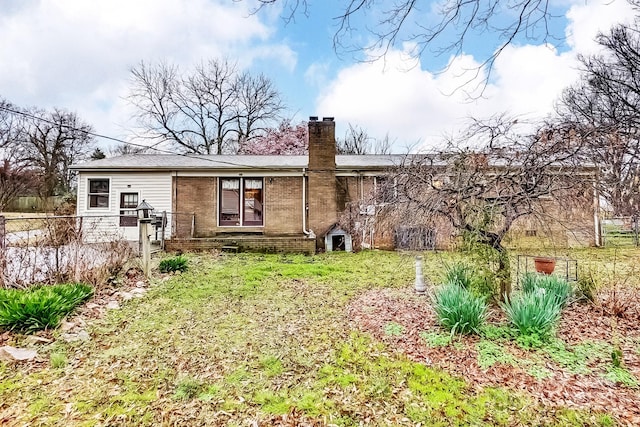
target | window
x=241, y=208
x=99, y=193
x=128, y=213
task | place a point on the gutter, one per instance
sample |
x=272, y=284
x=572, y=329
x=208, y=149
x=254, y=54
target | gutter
x=309, y=233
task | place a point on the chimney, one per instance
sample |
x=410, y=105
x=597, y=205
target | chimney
x=322, y=193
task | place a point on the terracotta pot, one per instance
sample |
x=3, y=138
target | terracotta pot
x=545, y=265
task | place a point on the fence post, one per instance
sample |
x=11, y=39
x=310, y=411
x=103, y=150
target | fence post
x=3, y=261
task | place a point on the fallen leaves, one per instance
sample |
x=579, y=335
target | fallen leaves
x=374, y=309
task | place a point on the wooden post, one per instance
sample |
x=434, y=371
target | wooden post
x=3, y=260
x=145, y=247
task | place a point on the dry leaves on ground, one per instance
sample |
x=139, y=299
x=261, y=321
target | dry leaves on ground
x=374, y=310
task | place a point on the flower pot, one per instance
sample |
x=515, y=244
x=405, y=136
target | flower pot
x=545, y=265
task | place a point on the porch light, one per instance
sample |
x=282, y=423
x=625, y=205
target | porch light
x=144, y=211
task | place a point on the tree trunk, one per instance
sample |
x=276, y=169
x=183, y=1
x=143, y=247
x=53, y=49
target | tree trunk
x=504, y=273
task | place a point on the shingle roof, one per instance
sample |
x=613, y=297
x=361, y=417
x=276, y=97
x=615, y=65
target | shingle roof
x=204, y=162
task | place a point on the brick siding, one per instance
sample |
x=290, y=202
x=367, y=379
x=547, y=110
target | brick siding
x=246, y=244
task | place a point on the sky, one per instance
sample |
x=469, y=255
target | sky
x=78, y=55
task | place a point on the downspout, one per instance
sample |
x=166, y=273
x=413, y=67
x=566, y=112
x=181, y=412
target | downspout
x=309, y=233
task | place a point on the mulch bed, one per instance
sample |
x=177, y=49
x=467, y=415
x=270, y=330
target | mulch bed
x=371, y=311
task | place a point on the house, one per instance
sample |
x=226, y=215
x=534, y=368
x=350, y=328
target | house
x=264, y=203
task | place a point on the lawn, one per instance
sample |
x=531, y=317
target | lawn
x=333, y=339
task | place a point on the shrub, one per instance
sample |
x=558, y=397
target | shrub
x=40, y=307
x=534, y=312
x=553, y=286
x=458, y=310
x=177, y=263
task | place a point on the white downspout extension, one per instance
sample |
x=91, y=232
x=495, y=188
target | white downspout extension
x=309, y=233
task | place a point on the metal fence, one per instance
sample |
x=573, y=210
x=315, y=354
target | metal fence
x=414, y=238
x=621, y=231
x=54, y=249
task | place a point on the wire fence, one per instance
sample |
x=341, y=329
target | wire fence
x=57, y=249
x=621, y=231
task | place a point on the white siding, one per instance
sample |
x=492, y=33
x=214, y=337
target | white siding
x=154, y=187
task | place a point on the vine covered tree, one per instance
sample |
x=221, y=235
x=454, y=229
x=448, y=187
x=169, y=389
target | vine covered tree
x=210, y=110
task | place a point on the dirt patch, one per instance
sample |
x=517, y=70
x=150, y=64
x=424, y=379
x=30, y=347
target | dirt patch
x=376, y=309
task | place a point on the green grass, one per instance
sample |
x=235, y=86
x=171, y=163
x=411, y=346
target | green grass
x=253, y=337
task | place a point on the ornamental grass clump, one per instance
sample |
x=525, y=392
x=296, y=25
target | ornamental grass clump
x=458, y=310
x=171, y=265
x=40, y=307
x=533, y=313
x=555, y=287
x=460, y=274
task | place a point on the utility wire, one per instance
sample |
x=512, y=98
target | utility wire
x=147, y=147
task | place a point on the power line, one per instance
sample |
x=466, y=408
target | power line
x=147, y=147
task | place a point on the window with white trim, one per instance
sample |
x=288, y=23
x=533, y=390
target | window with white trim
x=98, y=193
x=128, y=212
x=241, y=202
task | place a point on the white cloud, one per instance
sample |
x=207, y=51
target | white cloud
x=413, y=105
x=586, y=19
x=77, y=54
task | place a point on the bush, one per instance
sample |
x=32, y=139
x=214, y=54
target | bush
x=458, y=310
x=555, y=287
x=177, y=263
x=40, y=307
x=534, y=312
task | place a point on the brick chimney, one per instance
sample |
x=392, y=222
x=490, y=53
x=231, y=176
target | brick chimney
x=323, y=211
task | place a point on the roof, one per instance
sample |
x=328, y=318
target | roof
x=198, y=162
x=209, y=162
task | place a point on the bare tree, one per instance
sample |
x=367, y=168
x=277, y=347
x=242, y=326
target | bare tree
x=50, y=142
x=206, y=111
x=604, y=109
x=15, y=180
x=259, y=104
x=124, y=149
x=357, y=141
x=457, y=23
x=483, y=191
